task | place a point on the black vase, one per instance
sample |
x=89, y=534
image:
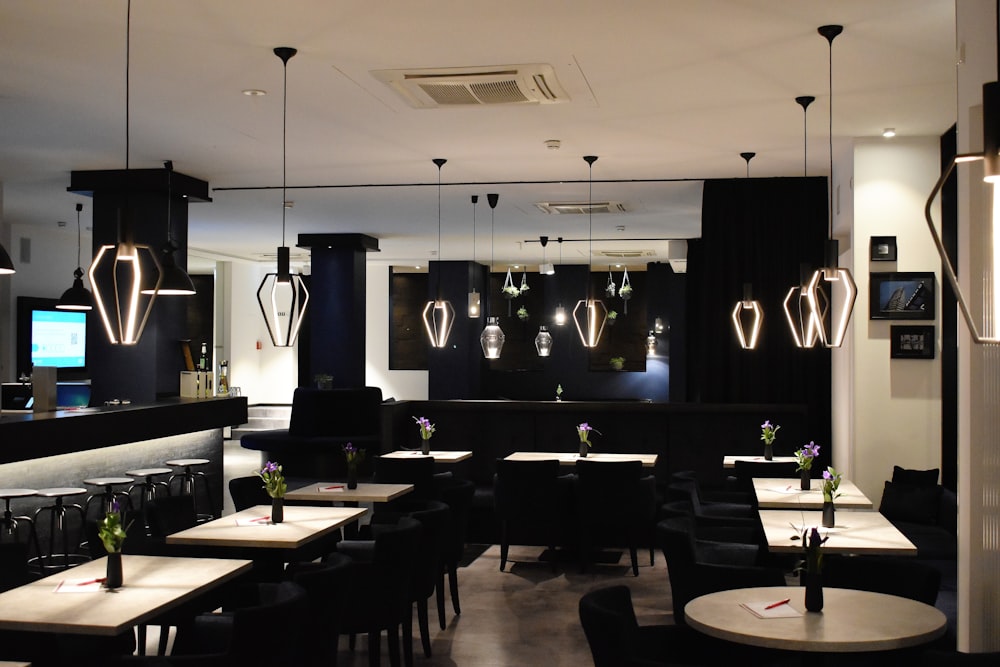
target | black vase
x=352, y=476
x=277, y=510
x=114, y=575
x=813, y=584
x=804, y=480
x=425, y=447
x=583, y=450
x=828, y=514
x=768, y=452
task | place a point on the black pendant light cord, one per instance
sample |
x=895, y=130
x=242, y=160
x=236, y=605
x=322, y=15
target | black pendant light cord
x=128, y=52
x=284, y=143
x=440, y=163
x=79, y=238
x=830, y=32
x=590, y=159
x=492, y=200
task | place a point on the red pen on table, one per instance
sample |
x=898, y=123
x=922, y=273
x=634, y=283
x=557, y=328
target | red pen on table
x=92, y=581
x=778, y=604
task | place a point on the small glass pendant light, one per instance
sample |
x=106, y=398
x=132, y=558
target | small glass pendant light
x=492, y=338
x=543, y=342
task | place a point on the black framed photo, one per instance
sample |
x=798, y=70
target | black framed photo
x=883, y=249
x=901, y=296
x=912, y=342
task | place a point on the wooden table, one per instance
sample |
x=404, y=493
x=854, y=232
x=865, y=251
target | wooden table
x=153, y=584
x=851, y=620
x=854, y=533
x=570, y=458
x=730, y=461
x=439, y=455
x=250, y=528
x=331, y=492
x=786, y=493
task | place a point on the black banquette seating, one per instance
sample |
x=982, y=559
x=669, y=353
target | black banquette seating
x=321, y=423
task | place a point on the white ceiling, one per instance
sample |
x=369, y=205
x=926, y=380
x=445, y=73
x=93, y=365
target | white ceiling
x=660, y=89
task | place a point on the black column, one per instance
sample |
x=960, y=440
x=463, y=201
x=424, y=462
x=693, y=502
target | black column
x=336, y=309
x=151, y=368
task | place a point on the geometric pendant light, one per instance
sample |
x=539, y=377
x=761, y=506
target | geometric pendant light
x=983, y=330
x=282, y=295
x=116, y=274
x=747, y=315
x=590, y=314
x=439, y=315
x=492, y=338
x=77, y=297
x=832, y=283
x=803, y=321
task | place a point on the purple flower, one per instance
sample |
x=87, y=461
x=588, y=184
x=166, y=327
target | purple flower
x=349, y=448
x=827, y=476
x=766, y=424
x=270, y=466
x=115, y=507
x=585, y=427
x=426, y=427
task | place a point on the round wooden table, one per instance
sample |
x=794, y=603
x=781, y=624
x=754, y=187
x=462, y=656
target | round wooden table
x=851, y=620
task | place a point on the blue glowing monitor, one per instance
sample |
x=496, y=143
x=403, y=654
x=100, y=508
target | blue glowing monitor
x=59, y=338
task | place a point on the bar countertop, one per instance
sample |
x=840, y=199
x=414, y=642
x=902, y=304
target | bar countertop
x=26, y=436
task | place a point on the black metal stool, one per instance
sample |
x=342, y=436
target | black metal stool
x=59, y=528
x=11, y=524
x=148, y=486
x=109, y=495
x=187, y=479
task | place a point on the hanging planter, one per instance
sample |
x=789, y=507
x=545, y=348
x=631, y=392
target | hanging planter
x=522, y=314
x=524, y=282
x=609, y=290
x=625, y=292
x=509, y=291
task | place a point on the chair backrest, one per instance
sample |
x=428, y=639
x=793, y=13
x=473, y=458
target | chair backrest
x=326, y=586
x=458, y=494
x=609, y=623
x=418, y=471
x=336, y=412
x=247, y=492
x=525, y=488
x=435, y=519
x=13, y=565
x=609, y=492
x=279, y=610
x=170, y=515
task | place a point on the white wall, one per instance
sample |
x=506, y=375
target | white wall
x=896, y=403
x=396, y=384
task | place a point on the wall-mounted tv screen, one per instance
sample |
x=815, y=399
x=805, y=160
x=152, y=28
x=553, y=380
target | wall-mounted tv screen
x=59, y=338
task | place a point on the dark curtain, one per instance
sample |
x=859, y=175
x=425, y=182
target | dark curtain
x=759, y=231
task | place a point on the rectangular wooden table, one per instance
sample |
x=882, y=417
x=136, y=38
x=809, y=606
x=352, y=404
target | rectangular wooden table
x=330, y=492
x=152, y=585
x=854, y=533
x=439, y=455
x=779, y=493
x=251, y=528
x=730, y=461
x=570, y=458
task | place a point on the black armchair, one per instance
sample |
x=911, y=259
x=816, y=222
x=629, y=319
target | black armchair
x=457, y=494
x=418, y=471
x=326, y=586
x=247, y=492
x=529, y=493
x=614, y=505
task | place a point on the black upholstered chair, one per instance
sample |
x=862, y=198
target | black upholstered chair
x=247, y=492
x=251, y=615
x=418, y=471
x=698, y=567
x=326, y=586
x=457, y=494
x=904, y=577
x=617, y=640
x=613, y=507
x=379, y=586
x=528, y=493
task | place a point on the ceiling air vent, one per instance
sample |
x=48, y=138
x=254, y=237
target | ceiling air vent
x=626, y=254
x=581, y=208
x=475, y=86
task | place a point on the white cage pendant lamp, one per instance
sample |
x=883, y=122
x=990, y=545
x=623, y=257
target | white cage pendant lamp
x=116, y=274
x=590, y=314
x=77, y=297
x=836, y=283
x=438, y=315
x=748, y=317
x=625, y=291
x=282, y=295
x=492, y=338
x=474, y=299
x=990, y=299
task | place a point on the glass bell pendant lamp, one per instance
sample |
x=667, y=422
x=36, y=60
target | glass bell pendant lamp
x=543, y=342
x=438, y=315
x=474, y=298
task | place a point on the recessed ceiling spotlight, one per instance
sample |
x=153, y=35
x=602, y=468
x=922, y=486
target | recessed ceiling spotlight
x=553, y=144
x=889, y=132
x=254, y=92
x=289, y=203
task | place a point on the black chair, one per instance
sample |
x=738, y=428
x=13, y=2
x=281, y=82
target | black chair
x=457, y=494
x=903, y=577
x=696, y=568
x=378, y=589
x=13, y=565
x=528, y=493
x=248, y=492
x=251, y=615
x=326, y=585
x=418, y=471
x=690, y=491
x=945, y=658
x=613, y=507
x=617, y=640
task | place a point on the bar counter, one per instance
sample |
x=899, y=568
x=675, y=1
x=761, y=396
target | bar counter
x=64, y=447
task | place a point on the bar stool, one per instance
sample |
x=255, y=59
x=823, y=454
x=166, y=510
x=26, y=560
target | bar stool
x=109, y=495
x=58, y=527
x=11, y=523
x=187, y=479
x=147, y=487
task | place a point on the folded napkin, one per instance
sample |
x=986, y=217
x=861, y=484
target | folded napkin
x=780, y=610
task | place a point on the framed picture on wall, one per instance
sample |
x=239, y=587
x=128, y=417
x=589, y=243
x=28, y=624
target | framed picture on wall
x=901, y=296
x=912, y=342
x=883, y=249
